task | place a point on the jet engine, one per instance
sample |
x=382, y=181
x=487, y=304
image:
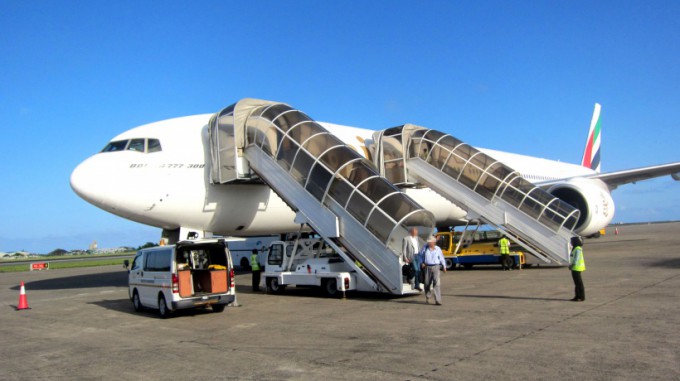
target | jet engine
x=592, y=198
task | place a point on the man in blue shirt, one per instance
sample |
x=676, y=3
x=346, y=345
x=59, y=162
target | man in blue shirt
x=432, y=260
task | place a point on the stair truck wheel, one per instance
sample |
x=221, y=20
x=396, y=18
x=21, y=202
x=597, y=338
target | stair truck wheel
x=274, y=287
x=330, y=287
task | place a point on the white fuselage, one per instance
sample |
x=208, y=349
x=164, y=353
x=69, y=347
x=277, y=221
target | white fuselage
x=171, y=188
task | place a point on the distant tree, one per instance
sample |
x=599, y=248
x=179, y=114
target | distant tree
x=57, y=252
x=147, y=245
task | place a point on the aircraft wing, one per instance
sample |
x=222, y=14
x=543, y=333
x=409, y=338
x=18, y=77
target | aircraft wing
x=614, y=179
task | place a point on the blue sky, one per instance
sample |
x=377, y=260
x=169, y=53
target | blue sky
x=516, y=76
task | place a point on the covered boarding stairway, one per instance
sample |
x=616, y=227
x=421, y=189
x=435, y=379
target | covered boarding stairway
x=333, y=189
x=489, y=190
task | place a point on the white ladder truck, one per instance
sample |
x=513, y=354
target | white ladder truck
x=333, y=189
x=490, y=191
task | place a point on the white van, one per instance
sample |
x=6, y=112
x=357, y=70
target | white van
x=189, y=274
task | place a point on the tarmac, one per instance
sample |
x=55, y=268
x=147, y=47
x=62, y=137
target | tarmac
x=512, y=325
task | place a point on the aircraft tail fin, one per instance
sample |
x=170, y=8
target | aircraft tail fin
x=591, y=154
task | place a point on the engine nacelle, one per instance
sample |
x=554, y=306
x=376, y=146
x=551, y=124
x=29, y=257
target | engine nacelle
x=592, y=198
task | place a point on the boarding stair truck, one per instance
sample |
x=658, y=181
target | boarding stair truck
x=468, y=248
x=333, y=189
x=491, y=192
x=310, y=262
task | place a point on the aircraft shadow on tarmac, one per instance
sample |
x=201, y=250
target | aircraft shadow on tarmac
x=673, y=263
x=111, y=279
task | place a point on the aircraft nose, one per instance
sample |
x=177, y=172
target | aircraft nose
x=83, y=181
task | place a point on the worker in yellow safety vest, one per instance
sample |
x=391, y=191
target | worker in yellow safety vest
x=504, y=248
x=255, y=268
x=577, y=265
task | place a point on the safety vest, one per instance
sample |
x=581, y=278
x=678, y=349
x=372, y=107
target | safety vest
x=504, y=245
x=577, y=261
x=254, y=265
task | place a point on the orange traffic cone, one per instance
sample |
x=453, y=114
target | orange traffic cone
x=23, y=303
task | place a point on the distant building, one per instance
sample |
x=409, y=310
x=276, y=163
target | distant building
x=93, y=246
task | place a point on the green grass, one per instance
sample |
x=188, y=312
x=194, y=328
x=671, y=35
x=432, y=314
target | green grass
x=59, y=257
x=64, y=265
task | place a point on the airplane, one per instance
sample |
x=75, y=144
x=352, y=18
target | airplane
x=158, y=174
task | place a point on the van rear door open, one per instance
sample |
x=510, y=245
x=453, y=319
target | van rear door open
x=202, y=269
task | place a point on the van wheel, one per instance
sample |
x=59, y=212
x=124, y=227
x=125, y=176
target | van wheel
x=450, y=264
x=274, y=287
x=330, y=287
x=163, y=307
x=135, y=301
x=218, y=307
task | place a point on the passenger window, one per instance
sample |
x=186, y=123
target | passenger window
x=154, y=146
x=157, y=261
x=275, y=255
x=136, y=145
x=118, y=145
x=136, y=263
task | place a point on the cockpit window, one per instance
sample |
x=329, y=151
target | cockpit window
x=154, y=145
x=136, y=145
x=118, y=145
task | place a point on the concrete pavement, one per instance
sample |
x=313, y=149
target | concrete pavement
x=516, y=325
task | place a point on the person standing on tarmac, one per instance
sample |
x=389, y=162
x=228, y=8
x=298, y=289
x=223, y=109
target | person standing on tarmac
x=409, y=252
x=577, y=265
x=504, y=248
x=255, y=268
x=432, y=261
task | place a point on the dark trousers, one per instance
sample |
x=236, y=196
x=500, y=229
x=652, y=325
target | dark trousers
x=579, y=290
x=256, y=280
x=506, y=261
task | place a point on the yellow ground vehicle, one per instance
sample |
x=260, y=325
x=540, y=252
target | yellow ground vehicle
x=477, y=248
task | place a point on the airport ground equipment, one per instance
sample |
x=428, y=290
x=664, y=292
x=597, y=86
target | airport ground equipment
x=490, y=191
x=310, y=263
x=332, y=188
x=470, y=248
x=23, y=301
x=189, y=274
